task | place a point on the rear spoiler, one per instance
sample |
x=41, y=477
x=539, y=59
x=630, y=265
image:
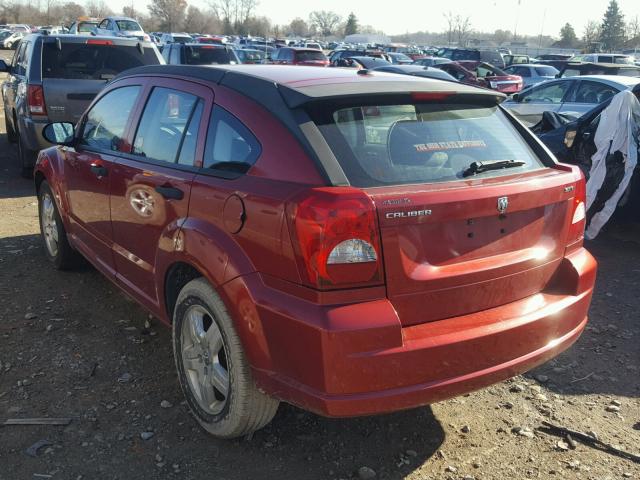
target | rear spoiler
x=390, y=91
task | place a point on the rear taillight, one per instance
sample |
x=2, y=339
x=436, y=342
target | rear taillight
x=578, y=215
x=336, y=239
x=35, y=100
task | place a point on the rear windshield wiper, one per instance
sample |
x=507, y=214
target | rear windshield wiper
x=479, y=167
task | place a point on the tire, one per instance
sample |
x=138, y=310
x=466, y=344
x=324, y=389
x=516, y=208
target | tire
x=11, y=133
x=202, y=327
x=26, y=157
x=63, y=256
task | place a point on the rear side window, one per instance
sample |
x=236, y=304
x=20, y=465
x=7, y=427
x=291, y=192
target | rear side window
x=105, y=123
x=92, y=62
x=128, y=25
x=230, y=146
x=163, y=124
x=421, y=143
x=207, y=55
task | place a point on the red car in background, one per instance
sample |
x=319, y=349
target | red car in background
x=309, y=57
x=482, y=74
x=351, y=244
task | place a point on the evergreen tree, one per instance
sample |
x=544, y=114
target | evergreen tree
x=613, y=29
x=351, y=26
x=568, y=37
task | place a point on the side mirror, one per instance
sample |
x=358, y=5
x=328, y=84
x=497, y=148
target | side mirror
x=3, y=66
x=60, y=133
x=515, y=97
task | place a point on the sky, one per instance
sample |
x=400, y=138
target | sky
x=531, y=17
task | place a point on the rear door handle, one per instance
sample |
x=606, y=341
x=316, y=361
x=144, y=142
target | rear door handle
x=170, y=193
x=98, y=170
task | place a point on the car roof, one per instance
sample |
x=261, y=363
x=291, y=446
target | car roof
x=121, y=18
x=620, y=79
x=600, y=64
x=297, y=85
x=70, y=38
x=530, y=65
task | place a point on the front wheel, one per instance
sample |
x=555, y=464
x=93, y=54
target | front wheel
x=54, y=235
x=212, y=368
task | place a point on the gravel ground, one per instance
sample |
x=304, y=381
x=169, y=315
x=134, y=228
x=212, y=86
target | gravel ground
x=71, y=345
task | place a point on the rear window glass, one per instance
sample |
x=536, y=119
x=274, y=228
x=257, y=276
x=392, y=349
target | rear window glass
x=92, y=62
x=207, y=55
x=424, y=143
x=546, y=71
x=306, y=56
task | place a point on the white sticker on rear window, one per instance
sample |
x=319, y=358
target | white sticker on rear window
x=457, y=145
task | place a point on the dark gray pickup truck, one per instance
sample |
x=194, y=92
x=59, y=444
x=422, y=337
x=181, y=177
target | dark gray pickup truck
x=54, y=78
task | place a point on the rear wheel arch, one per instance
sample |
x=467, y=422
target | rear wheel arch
x=176, y=277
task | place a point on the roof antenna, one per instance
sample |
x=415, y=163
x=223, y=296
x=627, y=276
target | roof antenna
x=140, y=49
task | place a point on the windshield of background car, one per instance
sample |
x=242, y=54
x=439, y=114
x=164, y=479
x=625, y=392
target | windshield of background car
x=128, y=25
x=308, y=55
x=181, y=39
x=420, y=143
x=92, y=62
x=87, y=27
x=207, y=55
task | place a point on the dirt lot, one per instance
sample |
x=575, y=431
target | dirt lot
x=72, y=346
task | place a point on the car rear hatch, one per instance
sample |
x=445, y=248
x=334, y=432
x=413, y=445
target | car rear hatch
x=449, y=251
x=459, y=232
x=74, y=71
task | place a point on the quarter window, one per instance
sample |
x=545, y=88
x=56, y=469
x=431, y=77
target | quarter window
x=230, y=145
x=163, y=125
x=553, y=93
x=105, y=124
x=593, y=92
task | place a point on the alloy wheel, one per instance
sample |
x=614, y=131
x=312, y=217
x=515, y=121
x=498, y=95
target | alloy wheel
x=49, y=224
x=205, y=360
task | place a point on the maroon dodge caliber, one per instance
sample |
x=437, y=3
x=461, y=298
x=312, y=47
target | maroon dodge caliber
x=348, y=242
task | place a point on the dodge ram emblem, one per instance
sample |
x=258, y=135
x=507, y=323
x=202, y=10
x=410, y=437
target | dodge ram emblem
x=503, y=204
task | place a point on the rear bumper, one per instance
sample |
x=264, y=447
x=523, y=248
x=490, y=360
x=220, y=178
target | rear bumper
x=31, y=130
x=351, y=360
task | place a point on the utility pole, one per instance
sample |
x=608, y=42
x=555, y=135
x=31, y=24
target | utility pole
x=515, y=28
x=544, y=17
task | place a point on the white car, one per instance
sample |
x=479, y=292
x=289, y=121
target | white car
x=12, y=40
x=168, y=38
x=121, y=27
x=315, y=46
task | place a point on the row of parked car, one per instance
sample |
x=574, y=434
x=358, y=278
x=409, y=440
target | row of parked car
x=56, y=76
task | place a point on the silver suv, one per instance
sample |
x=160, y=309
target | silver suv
x=54, y=78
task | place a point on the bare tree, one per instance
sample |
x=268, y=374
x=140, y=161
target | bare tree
x=462, y=29
x=234, y=13
x=633, y=30
x=170, y=12
x=591, y=32
x=451, y=26
x=202, y=21
x=298, y=27
x=501, y=36
x=98, y=8
x=325, y=21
